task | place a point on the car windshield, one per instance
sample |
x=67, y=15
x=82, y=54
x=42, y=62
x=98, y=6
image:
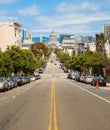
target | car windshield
x=1, y=79
x=17, y=77
x=100, y=78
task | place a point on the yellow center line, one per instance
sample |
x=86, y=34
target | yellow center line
x=53, y=114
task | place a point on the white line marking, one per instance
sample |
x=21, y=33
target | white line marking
x=90, y=93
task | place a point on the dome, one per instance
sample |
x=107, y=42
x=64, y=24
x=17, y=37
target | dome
x=52, y=33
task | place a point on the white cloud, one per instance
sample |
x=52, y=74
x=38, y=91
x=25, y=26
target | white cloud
x=7, y=1
x=72, y=22
x=72, y=19
x=29, y=11
x=8, y=18
x=66, y=7
x=82, y=29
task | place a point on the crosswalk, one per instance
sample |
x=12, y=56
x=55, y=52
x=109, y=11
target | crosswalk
x=57, y=75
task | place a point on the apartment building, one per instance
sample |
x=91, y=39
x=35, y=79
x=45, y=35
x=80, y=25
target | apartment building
x=10, y=34
x=107, y=31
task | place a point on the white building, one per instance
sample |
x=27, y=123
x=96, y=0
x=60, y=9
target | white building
x=10, y=34
x=52, y=40
x=107, y=48
x=91, y=46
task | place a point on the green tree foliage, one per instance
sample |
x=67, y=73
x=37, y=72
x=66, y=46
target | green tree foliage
x=2, y=64
x=64, y=57
x=19, y=61
x=39, y=49
x=8, y=66
x=15, y=54
x=95, y=60
x=98, y=62
x=100, y=43
x=29, y=61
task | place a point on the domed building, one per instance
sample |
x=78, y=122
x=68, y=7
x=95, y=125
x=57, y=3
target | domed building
x=52, y=40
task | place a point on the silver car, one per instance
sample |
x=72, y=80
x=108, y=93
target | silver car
x=3, y=84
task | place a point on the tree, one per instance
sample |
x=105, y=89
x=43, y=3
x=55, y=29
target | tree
x=2, y=64
x=98, y=62
x=100, y=43
x=39, y=49
x=8, y=65
x=64, y=57
x=29, y=61
x=22, y=61
x=15, y=53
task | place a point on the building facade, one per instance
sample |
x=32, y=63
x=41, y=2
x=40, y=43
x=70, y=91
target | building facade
x=107, y=31
x=52, y=40
x=65, y=36
x=10, y=34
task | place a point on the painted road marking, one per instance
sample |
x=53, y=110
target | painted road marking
x=53, y=115
x=91, y=93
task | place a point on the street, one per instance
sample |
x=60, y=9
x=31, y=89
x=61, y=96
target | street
x=55, y=103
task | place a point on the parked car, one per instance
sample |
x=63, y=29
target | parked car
x=32, y=78
x=82, y=77
x=69, y=76
x=3, y=84
x=37, y=77
x=11, y=83
x=100, y=79
x=15, y=81
x=40, y=70
x=72, y=75
x=19, y=80
x=65, y=69
x=27, y=79
x=88, y=79
x=77, y=77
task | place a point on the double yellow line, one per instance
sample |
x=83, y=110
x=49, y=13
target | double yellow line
x=53, y=116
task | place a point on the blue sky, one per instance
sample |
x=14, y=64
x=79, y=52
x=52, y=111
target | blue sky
x=79, y=17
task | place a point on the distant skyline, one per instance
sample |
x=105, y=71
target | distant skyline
x=78, y=17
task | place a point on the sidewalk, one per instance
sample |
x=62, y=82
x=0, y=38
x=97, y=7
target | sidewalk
x=107, y=84
x=107, y=87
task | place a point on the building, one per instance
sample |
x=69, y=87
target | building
x=80, y=48
x=10, y=34
x=91, y=46
x=44, y=39
x=107, y=31
x=79, y=39
x=107, y=48
x=65, y=36
x=52, y=40
x=30, y=38
x=24, y=35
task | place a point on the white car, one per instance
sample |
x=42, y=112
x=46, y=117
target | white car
x=88, y=79
x=32, y=78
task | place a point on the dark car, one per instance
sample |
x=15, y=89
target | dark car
x=19, y=80
x=77, y=77
x=40, y=70
x=101, y=81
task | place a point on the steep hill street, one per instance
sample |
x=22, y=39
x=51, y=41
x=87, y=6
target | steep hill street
x=55, y=103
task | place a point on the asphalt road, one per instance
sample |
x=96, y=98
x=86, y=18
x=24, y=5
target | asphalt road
x=55, y=103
